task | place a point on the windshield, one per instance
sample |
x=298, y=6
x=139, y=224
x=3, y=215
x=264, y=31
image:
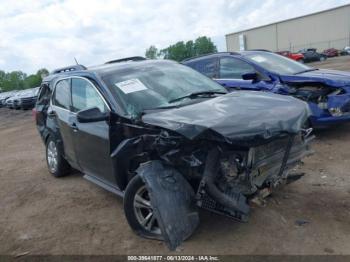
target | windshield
x=277, y=63
x=153, y=85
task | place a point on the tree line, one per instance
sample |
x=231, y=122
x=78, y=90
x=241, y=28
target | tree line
x=182, y=50
x=17, y=80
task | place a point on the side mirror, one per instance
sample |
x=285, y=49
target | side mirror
x=91, y=115
x=250, y=76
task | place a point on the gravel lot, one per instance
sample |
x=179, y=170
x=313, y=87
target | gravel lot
x=40, y=214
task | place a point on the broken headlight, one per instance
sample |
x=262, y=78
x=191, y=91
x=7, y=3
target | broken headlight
x=336, y=111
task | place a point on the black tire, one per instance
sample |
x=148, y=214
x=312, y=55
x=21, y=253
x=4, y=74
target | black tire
x=62, y=168
x=133, y=187
x=323, y=58
x=307, y=124
x=301, y=61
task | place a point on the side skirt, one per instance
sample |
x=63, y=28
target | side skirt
x=101, y=183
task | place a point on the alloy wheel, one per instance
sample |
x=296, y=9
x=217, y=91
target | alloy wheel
x=52, y=156
x=144, y=211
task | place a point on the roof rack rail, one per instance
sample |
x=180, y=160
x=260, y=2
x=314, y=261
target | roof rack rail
x=126, y=59
x=69, y=69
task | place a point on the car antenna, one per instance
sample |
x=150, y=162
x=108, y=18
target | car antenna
x=76, y=61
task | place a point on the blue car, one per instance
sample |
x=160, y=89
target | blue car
x=326, y=91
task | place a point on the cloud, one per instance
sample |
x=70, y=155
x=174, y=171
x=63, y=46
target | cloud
x=43, y=33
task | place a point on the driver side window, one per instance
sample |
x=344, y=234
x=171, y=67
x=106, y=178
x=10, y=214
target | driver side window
x=85, y=96
x=232, y=68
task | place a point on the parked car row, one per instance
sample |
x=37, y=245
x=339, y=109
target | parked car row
x=19, y=99
x=311, y=55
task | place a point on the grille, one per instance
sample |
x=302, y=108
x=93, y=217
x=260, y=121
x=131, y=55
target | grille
x=28, y=99
x=267, y=150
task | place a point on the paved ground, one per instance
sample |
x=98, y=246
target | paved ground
x=43, y=215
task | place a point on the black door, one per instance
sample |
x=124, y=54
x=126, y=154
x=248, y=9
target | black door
x=59, y=117
x=91, y=140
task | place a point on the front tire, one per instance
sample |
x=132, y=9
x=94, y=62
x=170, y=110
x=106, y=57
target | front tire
x=322, y=58
x=139, y=211
x=56, y=163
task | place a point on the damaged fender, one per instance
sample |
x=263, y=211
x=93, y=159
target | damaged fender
x=173, y=201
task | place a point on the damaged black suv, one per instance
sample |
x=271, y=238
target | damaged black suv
x=168, y=140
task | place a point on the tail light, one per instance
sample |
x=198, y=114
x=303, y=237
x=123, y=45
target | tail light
x=35, y=114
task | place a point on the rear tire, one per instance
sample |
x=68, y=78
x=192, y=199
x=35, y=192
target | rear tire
x=322, y=58
x=56, y=163
x=137, y=208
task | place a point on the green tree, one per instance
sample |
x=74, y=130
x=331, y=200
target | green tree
x=203, y=45
x=32, y=81
x=176, y=52
x=180, y=51
x=43, y=72
x=17, y=80
x=151, y=52
x=190, y=49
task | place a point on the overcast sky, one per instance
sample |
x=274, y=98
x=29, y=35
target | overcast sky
x=42, y=33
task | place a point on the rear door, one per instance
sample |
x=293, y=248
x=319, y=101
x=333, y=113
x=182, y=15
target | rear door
x=91, y=140
x=60, y=116
x=230, y=75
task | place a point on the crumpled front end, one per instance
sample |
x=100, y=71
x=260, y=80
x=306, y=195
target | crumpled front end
x=219, y=177
x=232, y=178
x=216, y=155
x=329, y=101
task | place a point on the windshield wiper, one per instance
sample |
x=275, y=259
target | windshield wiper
x=196, y=94
x=307, y=70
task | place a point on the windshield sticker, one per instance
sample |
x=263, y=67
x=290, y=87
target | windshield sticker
x=131, y=86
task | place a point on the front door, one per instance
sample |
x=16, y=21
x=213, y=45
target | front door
x=91, y=140
x=230, y=75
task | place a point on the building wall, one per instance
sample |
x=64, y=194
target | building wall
x=323, y=30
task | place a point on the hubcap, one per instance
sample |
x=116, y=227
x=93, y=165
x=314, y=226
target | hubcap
x=52, y=156
x=144, y=211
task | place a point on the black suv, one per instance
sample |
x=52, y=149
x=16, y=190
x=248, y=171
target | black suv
x=168, y=140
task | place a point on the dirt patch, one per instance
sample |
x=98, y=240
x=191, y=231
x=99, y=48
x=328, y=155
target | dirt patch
x=40, y=214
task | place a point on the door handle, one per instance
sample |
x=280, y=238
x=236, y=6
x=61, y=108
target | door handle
x=51, y=113
x=74, y=127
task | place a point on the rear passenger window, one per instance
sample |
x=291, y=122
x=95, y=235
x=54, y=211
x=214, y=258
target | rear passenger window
x=207, y=67
x=85, y=96
x=234, y=68
x=61, y=96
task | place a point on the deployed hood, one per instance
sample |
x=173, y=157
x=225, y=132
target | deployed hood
x=237, y=117
x=329, y=77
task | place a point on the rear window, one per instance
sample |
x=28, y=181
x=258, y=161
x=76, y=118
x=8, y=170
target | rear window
x=61, y=97
x=44, y=94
